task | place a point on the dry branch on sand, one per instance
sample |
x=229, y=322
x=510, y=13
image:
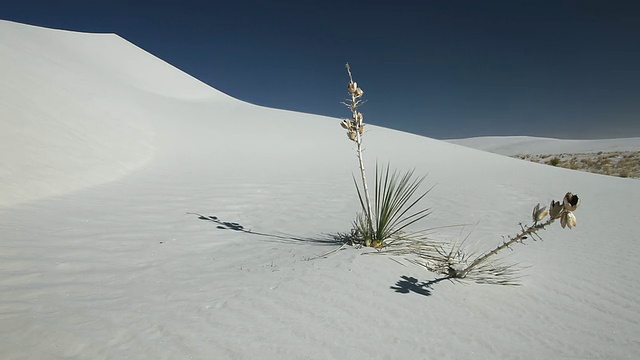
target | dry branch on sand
x=456, y=263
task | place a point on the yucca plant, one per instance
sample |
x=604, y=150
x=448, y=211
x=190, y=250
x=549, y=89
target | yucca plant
x=395, y=194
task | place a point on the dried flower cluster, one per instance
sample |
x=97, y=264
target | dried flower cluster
x=557, y=210
x=354, y=125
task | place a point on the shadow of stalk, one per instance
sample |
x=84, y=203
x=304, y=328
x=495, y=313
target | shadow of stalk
x=327, y=239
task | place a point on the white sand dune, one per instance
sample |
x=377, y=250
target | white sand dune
x=516, y=145
x=105, y=150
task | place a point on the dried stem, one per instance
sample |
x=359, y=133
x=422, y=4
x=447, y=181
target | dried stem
x=353, y=106
x=531, y=230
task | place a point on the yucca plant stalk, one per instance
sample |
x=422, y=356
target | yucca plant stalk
x=524, y=234
x=395, y=194
x=357, y=124
x=363, y=175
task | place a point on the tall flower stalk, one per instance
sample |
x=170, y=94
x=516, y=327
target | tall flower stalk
x=396, y=194
x=355, y=130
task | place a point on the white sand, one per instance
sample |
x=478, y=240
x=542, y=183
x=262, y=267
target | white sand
x=104, y=150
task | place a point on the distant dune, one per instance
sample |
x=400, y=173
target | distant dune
x=515, y=145
x=614, y=157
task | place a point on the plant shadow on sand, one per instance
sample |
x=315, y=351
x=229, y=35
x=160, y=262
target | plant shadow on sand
x=409, y=284
x=326, y=239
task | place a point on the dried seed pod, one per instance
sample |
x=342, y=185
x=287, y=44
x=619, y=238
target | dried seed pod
x=359, y=117
x=571, y=220
x=568, y=219
x=539, y=213
x=361, y=129
x=570, y=202
x=345, y=124
x=352, y=135
x=352, y=87
x=555, y=209
x=359, y=92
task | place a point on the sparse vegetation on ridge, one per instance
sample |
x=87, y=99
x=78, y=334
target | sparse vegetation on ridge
x=624, y=164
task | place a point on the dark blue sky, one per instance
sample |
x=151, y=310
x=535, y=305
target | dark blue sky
x=444, y=69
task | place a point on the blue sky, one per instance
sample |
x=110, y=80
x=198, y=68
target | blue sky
x=443, y=69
